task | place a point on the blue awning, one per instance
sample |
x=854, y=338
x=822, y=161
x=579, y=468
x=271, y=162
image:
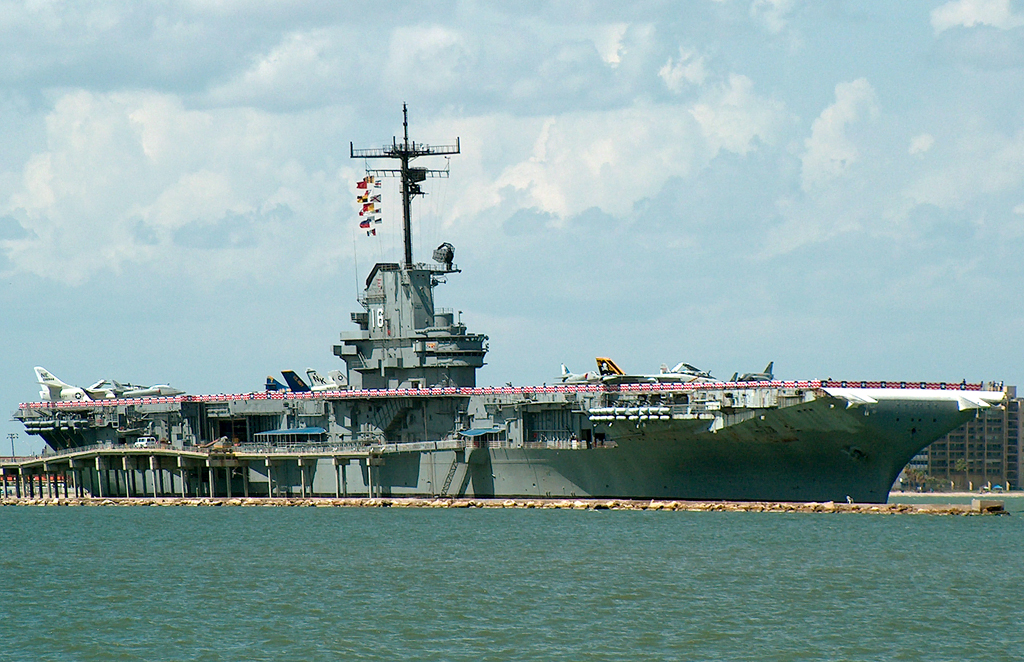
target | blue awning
x=477, y=433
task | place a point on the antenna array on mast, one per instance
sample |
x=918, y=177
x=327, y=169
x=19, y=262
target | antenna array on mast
x=405, y=152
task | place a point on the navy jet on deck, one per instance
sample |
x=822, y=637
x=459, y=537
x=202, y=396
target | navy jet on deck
x=274, y=385
x=569, y=377
x=608, y=371
x=294, y=382
x=54, y=390
x=765, y=376
x=334, y=381
x=682, y=372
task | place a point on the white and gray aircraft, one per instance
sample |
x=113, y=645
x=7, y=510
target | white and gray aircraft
x=682, y=372
x=135, y=391
x=335, y=380
x=55, y=390
x=609, y=371
x=569, y=377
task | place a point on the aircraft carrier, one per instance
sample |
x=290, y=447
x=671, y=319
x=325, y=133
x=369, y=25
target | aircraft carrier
x=405, y=417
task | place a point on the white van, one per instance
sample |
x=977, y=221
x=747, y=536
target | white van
x=145, y=442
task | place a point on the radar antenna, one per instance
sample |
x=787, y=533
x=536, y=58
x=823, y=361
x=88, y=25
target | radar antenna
x=405, y=152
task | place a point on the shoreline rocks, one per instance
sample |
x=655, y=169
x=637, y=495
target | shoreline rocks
x=978, y=507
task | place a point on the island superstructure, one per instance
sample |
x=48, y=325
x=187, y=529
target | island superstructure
x=411, y=420
x=403, y=341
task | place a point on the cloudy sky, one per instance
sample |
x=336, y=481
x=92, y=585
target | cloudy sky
x=835, y=186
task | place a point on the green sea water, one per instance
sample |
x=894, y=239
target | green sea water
x=144, y=583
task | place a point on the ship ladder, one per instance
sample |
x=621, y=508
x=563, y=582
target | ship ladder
x=451, y=475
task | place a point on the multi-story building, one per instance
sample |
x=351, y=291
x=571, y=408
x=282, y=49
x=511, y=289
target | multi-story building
x=983, y=453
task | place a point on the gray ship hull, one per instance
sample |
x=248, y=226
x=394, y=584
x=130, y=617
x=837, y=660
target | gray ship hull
x=803, y=443
x=855, y=454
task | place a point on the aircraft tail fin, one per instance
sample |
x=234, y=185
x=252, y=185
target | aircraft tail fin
x=54, y=390
x=565, y=371
x=44, y=376
x=315, y=379
x=768, y=369
x=51, y=385
x=606, y=366
x=294, y=382
x=274, y=385
x=334, y=380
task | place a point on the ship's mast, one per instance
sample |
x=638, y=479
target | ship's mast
x=405, y=152
x=403, y=341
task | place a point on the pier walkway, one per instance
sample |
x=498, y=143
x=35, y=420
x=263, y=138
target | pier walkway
x=114, y=470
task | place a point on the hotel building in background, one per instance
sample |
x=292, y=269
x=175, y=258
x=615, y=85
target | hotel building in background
x=983, y=453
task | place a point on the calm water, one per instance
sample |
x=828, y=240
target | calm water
x=386, y=584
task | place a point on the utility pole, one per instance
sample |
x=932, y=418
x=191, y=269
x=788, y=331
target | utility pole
x=405, y=151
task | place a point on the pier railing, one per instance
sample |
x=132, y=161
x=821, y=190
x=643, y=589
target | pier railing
x=296, y=449
x=63, y=452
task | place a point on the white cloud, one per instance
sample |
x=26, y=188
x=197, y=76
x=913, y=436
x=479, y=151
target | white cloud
x=688, y=68
x=608, y=42
x=562, y=165
x=829, y=151
x=732, y=116
x=969, y=13
x=773, y=13
x=921, y=144
x=60, y=17
x=427, y=58
x=124, y=175
x=981, y=164
x=296, y=71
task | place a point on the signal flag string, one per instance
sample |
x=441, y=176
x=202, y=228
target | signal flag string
x=370, y=202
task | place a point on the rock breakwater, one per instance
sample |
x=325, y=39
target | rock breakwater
x=976, y=508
